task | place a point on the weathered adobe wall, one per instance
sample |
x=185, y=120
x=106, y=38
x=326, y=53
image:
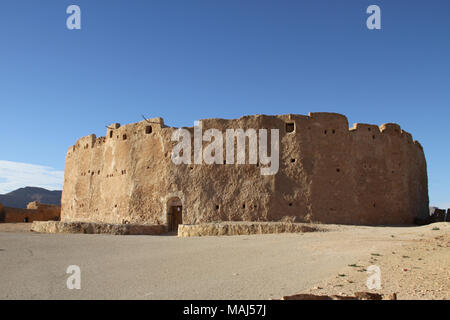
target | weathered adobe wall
x=50, y=209
x=34, y=212
x=328, y=173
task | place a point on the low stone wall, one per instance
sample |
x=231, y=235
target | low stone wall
x=184, y=230
x=244, y=228
x=96, y=228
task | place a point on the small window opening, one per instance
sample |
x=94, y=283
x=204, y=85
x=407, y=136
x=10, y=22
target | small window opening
x=124, y=137
x=325, y=132
x=217, y=207
x=290, y=204
x=338, y=170
x=243, y=206
x=292, y=160
x=148, y=129
x=111, y=134
x=290, y=127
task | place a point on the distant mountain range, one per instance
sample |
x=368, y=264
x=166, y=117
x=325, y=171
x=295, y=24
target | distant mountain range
x=21, y=197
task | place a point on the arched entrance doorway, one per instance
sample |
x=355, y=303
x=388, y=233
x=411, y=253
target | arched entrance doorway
x=174, y=214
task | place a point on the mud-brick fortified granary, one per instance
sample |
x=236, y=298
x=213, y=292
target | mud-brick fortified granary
x=328, y=173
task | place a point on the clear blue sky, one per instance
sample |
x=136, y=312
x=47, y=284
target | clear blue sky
x=188, y=60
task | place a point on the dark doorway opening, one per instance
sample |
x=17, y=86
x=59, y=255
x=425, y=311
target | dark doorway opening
x=174, y=215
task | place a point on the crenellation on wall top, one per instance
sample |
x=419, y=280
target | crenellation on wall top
x=407, y=136
x=293, y=117
x=417, y=143
x=365, y=127
x=391, y=128
x=321, y=118
x=154, y=122
x=116, y=131
x=138, y=130
x=327, y=116
x=100, y=140
x=83, y=143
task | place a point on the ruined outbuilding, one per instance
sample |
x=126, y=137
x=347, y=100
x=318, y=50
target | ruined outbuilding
x=328, y=173
x=35, y=211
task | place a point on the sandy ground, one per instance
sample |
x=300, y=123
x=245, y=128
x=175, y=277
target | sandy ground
x=413, y=261
x=418, y=268
x=15, y=227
